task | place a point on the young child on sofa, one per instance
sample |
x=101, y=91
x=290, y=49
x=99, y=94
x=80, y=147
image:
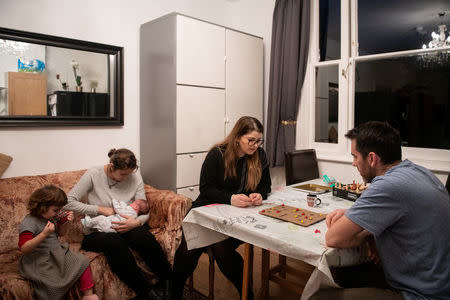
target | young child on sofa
x=106, y=223
x=49, y=264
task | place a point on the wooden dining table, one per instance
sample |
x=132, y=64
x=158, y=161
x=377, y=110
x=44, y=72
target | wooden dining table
x=209, y=224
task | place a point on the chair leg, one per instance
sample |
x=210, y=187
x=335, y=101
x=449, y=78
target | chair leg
x=265, y=274
x=190, y=284
x=211, y=277
x=191, y=281
x=282, y=262
x=248, y=271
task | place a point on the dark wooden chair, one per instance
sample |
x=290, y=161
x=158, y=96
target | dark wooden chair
x=447, y=185
x=301, y=165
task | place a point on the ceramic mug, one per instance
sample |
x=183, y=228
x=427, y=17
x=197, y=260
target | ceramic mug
x=312, y=200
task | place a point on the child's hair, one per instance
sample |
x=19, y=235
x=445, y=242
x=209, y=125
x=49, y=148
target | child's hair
x=44, y=197
x=122, y=159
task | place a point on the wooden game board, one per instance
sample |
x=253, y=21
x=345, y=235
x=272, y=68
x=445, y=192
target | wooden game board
x=299, y=216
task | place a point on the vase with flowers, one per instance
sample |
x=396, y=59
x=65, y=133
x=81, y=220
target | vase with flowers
x=75, y=67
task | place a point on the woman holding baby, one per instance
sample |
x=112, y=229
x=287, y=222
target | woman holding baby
x=119, y=180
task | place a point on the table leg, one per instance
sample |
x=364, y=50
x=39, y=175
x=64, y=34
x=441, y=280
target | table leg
x=265, y=274
x=282, y=262
x=250, y=275
x=248, y=270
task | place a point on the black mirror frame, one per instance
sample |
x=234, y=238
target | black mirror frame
x=48, y=40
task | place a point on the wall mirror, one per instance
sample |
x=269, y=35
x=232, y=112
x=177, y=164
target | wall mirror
x=53, y=81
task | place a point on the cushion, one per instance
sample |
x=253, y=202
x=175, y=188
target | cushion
x=5, y=160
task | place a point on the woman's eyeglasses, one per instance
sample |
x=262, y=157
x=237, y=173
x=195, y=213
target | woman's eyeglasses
x=252, y=142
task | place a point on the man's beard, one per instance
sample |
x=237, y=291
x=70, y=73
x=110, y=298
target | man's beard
x=369, y=177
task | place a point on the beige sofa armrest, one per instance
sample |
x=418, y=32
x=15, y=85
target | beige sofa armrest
x=167, y=208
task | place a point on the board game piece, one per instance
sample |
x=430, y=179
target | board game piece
x=290, y=214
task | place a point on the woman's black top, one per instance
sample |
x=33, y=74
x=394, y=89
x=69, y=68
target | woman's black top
x=213, y=187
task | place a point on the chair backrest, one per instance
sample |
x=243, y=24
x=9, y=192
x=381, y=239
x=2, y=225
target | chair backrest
x=447, y=185
x=301, y=165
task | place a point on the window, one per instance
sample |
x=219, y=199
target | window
x=381, y=71
x=386, y=26
x=409, y=92
x=327, y=99
x=330, y=30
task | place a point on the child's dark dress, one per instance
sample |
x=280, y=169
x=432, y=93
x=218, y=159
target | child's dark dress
x=51, y=267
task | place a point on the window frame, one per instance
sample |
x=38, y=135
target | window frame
x=434, y=159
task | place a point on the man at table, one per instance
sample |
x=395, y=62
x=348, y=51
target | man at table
x=406, y=209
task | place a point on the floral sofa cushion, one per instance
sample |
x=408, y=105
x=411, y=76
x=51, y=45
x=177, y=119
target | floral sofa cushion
x=167, y=210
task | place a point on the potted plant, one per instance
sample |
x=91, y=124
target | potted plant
x=75, y=67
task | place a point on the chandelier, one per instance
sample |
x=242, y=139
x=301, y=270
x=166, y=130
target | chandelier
x=438, y=39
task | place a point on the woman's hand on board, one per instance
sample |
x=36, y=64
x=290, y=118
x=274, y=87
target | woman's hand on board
x=256, y=199
x=240, y=200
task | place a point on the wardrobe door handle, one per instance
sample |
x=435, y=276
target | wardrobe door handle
x=191, y=189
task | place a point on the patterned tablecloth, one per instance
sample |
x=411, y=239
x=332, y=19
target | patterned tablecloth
x=212, y=223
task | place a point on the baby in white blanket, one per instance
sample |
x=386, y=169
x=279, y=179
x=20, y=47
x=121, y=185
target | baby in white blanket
x=103, y=223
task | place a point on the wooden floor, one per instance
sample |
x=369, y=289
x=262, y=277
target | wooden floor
x=224, y=289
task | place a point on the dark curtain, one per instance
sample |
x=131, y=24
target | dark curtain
x=288, y=59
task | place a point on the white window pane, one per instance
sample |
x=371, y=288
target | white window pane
x=327, y=99
x=330, y=30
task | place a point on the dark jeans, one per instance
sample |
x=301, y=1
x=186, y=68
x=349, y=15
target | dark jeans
x=116, y=246
x=228, y=259
x=364, y=275
x=357, y=294
x=365, y=281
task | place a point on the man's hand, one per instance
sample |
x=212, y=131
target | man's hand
x=106, y=211
x=334, y=216
x=240, y=200
x=256, y=199
x=372, y=250
x=125, y=225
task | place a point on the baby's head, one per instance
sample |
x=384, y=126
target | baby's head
x=140, y=206
x=46, y=201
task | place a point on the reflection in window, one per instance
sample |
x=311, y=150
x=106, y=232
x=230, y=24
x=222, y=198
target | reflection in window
x=412, y=93
x=398, y=25
x=330, y=30
x=327, y=99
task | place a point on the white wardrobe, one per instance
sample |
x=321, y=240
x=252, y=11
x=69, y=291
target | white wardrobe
x=196, y=80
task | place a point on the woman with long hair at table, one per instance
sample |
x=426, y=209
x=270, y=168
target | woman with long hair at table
x=235, y=172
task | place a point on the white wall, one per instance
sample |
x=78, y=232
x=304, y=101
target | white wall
x=114, y=22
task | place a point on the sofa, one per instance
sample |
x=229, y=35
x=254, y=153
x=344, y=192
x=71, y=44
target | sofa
x=167, y=210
